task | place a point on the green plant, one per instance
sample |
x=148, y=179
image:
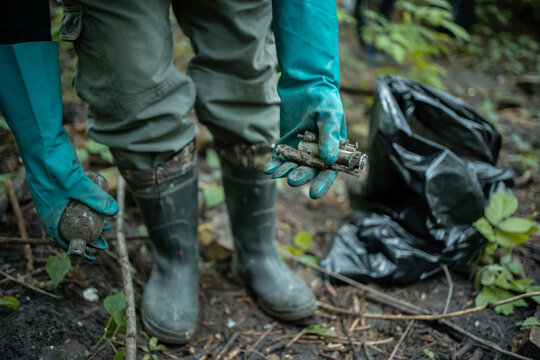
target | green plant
x=529, y=161
x=115, y=305
x=57, y=267
x=9, y=302
x=531, y=321
x=213, y=195
x=153, y=345
x=302, y=243
x=429, y=353
x=497, y=271
x=419, y=36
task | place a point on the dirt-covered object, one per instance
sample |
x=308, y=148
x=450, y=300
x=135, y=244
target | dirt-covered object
x=80, y=224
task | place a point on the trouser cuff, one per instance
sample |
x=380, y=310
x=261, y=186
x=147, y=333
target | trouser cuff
x=176, y=166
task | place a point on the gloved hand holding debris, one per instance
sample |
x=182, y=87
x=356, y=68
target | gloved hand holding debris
x=31, y=101
x=307, y=47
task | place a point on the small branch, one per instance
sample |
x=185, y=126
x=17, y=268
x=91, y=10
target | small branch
x=349, y=337
x=403, y=336
x=20, y=223
x=450, y=288
x=260, y=341
x=23, y=241
x=427, y=317
x=229, y=343
x=40, y=241
x=58, y=297
x=131, y=317
x=382, y=298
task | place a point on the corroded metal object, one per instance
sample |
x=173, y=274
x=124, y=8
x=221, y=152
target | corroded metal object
x=350, y=160
x=80, y=224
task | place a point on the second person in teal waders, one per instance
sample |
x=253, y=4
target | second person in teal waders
x=31, y=102
x=138, y=103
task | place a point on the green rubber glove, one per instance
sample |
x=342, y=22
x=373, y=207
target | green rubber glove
x=306, y=34
x=31, y=101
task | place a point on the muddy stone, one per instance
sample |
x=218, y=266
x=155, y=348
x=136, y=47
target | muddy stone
x=79, y=223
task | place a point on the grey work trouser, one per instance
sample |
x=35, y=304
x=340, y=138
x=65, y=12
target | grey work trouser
x=138, y=100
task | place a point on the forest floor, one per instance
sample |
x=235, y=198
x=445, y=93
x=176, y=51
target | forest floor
x=231, y=325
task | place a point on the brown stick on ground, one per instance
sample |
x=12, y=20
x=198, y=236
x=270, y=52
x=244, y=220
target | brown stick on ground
x=131, y=317
x=382, y=298
x=255, y=347
x=403, y=336
x=20, y=223
x=40, y=241
x=30, y=286
x=427, y=317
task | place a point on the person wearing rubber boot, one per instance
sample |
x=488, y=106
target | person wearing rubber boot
x=31, y=102
x=138, y=103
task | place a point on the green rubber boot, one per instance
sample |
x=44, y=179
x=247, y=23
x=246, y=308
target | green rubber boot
x=251, y=199
x=167, y=198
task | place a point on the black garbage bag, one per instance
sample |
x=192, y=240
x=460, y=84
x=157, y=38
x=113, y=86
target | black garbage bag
x=431, y=170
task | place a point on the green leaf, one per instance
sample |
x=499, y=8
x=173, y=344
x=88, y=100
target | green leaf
x=489, y=274
x=120, y=354
x=95, y=147
x=520, y=143
x=82, y=154
x=516, y=268
x=516, y=225
x=508, y=309
x=154, y=357
x=106, y=156
x=145, y=334
x=506, y=259
x=142, y=230
x=491, y=248
x=521, y=285
x=502, y=282
x=9, y=302
x=146, y=357
x=153, y=342
x=485, y=228
x=430, y=354
x=532, y=321
x=160, y=347
x=318, y=329
x=303, y=240
x=57, y=267
x=310, y=259
x=145, y=348
x=294, y=251
x=212, y=159
x=213, y=195
x=501, y=205
x=116, y=307
x=490, y=295
x=509, y=240
x=5, y=177
x=534, y=288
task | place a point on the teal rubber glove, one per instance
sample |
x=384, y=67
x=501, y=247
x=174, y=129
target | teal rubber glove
x=306, y=34
x=31, y=101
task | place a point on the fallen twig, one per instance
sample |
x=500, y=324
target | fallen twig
x=349, y=337
x=260, y=342
x=450, y=288
x=237, y=350
x=40, y=241
x=382, y=298
x=427, y=317
x=403, y=336
x=229, y=343
x=131, y=317
x=30, y=286
x=20, y=223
